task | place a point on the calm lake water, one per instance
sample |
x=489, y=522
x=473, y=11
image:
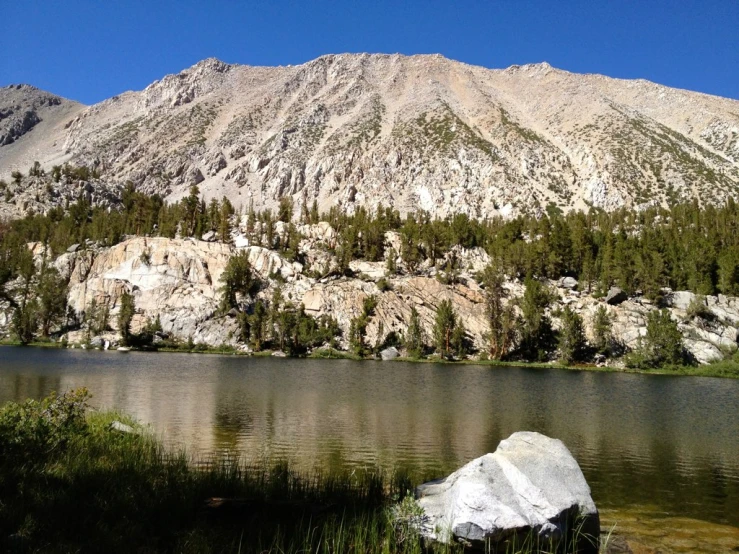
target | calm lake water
x=667, y=445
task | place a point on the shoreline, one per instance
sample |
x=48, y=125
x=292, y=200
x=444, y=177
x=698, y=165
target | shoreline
x=715, y=370
x=205, y=492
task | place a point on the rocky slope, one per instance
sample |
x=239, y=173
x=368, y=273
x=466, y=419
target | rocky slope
x=178, y=280
x=409, y=131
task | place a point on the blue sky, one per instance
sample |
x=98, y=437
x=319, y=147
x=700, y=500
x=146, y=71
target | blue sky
x=91, y=50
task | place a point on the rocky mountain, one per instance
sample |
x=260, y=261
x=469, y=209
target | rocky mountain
x=408, y=131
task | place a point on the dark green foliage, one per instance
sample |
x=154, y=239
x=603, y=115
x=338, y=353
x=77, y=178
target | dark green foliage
x=414, y=336
x=25, y=320
x=410, y=252
x=125, y=315
x=503, y=323
x=290, y=329
x=391, y=266
x=684, y=248
x=698, y=309
x=35, y=170
x=238, y=281
x=449, y=333
x=728, y=272
x=96, y=317
x=31, y=431
x=572, y=343
x=661, y=346
x=52, y=297
x=357, y=332
x=69, y=483
x=602, y=330
x=368, y=305
x=537, y=336
x=254, y=326
x=383, y=285
x=285, y=211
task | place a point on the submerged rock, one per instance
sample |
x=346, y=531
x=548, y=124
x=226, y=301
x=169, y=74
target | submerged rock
x=529, y=488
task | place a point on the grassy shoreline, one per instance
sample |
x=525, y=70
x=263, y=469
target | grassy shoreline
x=72, y=482
x=725, y=369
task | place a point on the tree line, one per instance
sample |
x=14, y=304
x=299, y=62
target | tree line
x=685, y=247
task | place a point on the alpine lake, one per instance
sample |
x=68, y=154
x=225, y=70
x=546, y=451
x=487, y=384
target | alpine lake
x=660, y=453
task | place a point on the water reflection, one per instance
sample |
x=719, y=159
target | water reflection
x=667, y=442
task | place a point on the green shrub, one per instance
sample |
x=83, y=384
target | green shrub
x=661, y=346
x=384, y=285
x=34, y=430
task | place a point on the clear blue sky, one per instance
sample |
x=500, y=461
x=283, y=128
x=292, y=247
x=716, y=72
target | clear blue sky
x=91, y=50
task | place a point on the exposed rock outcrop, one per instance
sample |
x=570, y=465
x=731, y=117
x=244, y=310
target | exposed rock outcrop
x=178, y=280
x=529, y=488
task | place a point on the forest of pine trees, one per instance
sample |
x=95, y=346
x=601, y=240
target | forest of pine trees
x=686, y=247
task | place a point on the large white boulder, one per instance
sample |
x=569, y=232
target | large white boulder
x=530, y=488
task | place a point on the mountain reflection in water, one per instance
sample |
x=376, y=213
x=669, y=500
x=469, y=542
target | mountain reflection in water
x=671, y=443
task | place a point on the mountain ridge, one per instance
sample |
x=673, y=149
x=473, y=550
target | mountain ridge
x=409, y=131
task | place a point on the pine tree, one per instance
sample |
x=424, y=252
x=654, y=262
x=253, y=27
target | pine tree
x=226, y=212
x=602, y=330
x=285, y=210
x=661, y=346
x=536, y=329
x=52, y=299
x=258, y=325
x=357, y=333
x=502, y=321
x=314, y=217
x=238, y=279
x=391, y=267
x=414, y=340
x=572, y=343
x=24, y=322
x=410, y=252
x=728, y=272
x=125, y=315
x=445, y=324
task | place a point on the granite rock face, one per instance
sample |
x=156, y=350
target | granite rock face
x=531, y=485
x=178, y=280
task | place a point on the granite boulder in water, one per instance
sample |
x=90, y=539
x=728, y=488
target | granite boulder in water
x=530, y=488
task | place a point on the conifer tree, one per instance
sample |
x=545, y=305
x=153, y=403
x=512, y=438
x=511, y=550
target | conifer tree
x=602, y=330
x=51, y=293
x=572, y=343
x=445, y=324
x=414, y=340
x=125, y=315
x=536, y=329
x=257, y=325
x=662, y=345
x=226, y=212
x=238, y=279
x=502, y=321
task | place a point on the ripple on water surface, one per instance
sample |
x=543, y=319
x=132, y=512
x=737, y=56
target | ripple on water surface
x=670, y=443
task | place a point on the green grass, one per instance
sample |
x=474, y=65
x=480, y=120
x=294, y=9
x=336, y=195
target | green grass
x=69, y=483
x=333, y=354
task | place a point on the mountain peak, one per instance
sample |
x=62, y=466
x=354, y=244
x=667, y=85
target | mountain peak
x=414, y=132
